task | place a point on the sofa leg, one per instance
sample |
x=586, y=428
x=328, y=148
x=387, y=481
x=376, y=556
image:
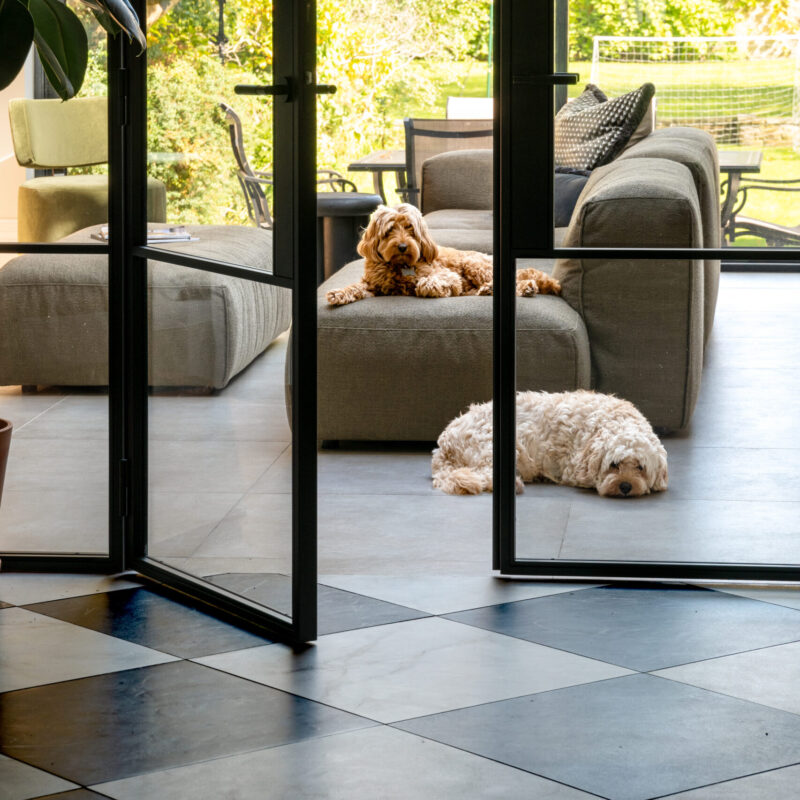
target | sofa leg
x=29, y=388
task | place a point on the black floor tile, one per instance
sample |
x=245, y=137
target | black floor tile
x=126, y=723
x=642, y=628
x=75, y=794
x=337, y=609
x=147, y=618
x=627, y=738
x=5, y=605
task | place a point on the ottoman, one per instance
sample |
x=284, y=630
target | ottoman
x=204, y=328
x=400, y=368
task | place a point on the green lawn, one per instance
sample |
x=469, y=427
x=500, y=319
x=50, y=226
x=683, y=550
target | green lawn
x=470, y=80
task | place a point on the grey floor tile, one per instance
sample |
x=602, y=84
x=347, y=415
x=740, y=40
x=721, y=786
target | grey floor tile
x=362, y=765
x=445, y=594
x=75, y=794
x=77, y=416
x=209, y=466
x=643, y=627
x=666, y=528
x=337, y=609
x=22, y=588
x=54, y=520
x=789, y=597
x=632, y=738
x=411, y=668
x=39, y=465
x=777, y=783
x=783, y=353
x=29, y=642
x=770, y=676
x=110, y=727
x=19, y=781
x=227, y=418
x=20, y=409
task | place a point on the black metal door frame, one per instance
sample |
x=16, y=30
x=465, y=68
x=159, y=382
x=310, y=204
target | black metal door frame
x=295, y=244
x=524, y=86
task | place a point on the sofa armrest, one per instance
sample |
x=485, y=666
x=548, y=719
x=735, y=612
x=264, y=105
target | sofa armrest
x=457, y=179
x=644, y=318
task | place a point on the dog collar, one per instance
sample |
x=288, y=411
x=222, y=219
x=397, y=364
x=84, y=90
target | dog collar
x=409, y=272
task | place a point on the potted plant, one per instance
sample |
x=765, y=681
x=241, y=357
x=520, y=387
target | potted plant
x=5, y=443
x=59, y=38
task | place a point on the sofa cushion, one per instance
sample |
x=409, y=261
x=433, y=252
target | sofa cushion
x=644, y=318
x=591, y=130
x=400, y=368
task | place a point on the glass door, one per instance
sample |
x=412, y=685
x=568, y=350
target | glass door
x=221, y=440
x=652, y=398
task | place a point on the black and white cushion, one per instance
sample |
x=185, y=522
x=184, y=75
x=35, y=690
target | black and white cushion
x=591, y=130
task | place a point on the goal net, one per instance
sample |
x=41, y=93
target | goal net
x=744, y=90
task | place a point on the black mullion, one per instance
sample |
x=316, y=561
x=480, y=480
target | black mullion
x=212, y=265
x=304, y=300
x=727, y=254
x=57, y=562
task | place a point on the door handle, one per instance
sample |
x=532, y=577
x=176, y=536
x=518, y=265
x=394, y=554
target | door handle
x=272, y=90
x=556, y=79
x=325, y=88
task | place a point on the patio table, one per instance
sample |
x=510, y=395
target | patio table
x=380, y=162
x=733, y=164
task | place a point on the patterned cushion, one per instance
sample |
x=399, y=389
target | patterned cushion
x=591, y=130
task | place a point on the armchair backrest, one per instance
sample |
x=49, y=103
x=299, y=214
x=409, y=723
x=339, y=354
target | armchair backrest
x=56, y=134
x=429, y=137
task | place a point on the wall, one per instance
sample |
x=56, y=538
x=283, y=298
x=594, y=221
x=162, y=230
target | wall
x=11, y=174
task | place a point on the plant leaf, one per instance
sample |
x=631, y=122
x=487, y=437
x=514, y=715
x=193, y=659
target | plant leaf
x=62, y=45
x=122, y=12
x=102, y=16
x=16, y=36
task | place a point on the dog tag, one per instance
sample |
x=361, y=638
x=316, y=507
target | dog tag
x=409, y=272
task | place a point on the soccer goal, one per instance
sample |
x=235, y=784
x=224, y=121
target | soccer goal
x=744, y=90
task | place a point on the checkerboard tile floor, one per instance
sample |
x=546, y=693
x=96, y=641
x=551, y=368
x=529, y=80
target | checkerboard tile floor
x=483, y=689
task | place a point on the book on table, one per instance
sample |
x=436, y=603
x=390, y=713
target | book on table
x=167, y=233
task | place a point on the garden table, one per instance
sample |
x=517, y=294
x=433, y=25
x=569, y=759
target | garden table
x=733, y=164
x=380, y=162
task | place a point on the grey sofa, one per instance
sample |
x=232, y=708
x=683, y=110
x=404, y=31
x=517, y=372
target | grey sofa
x=398, y=368
x=204, y=328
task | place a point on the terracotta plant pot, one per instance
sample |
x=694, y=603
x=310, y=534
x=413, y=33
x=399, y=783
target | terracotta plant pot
x=5, y=443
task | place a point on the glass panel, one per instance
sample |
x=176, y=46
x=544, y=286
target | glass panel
x=210, y=150
x=220, y=457
x=395, y=371
x=54, y=311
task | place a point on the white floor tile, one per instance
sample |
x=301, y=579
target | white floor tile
x=21, y=589
x=364, y=765
x=777, y=784
x=29, y=644
x=410, y=669
x=446, y=594
x=20, y=781
x=769, y=676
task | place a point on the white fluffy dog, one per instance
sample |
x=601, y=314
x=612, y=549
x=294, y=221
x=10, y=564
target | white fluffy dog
x=582, y=438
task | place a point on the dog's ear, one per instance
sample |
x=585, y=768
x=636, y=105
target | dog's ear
x=662, y=476
x=428, y=248
x=368, y=246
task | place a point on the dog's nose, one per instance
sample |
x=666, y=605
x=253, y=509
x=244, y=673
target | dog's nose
x=402, y=247
x=625, y=487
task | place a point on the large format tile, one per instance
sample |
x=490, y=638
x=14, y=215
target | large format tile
x=411, y=668
x=23, y=588
x=57, y=465
x=769, y=676
x=82, y=416
x=362, y=765
x=217, y=417
x=783, y=353
x=632, y=738
x=444, y=594
x=337, y=609
x=146, y=618
x=75, y=794
x=789, y=596
x=777, y=783
x=20, y=409
x=140, y=720
x=19, y=781
x=642, y=627
x=54, y=520
x=209, y=466
x=29, y=644
x=663, y=528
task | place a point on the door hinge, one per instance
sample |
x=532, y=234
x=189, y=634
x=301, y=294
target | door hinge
x=124, y=488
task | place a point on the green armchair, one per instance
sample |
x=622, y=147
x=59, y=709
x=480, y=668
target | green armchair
x=56, y=135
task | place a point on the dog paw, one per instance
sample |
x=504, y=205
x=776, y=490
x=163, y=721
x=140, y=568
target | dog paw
x=527, y=288
x=338, y=297
x=487, y=289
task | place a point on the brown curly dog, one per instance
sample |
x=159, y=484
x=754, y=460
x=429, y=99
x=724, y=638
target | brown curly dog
x=401, y=258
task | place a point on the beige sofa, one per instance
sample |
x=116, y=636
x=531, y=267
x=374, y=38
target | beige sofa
x=398, y=368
